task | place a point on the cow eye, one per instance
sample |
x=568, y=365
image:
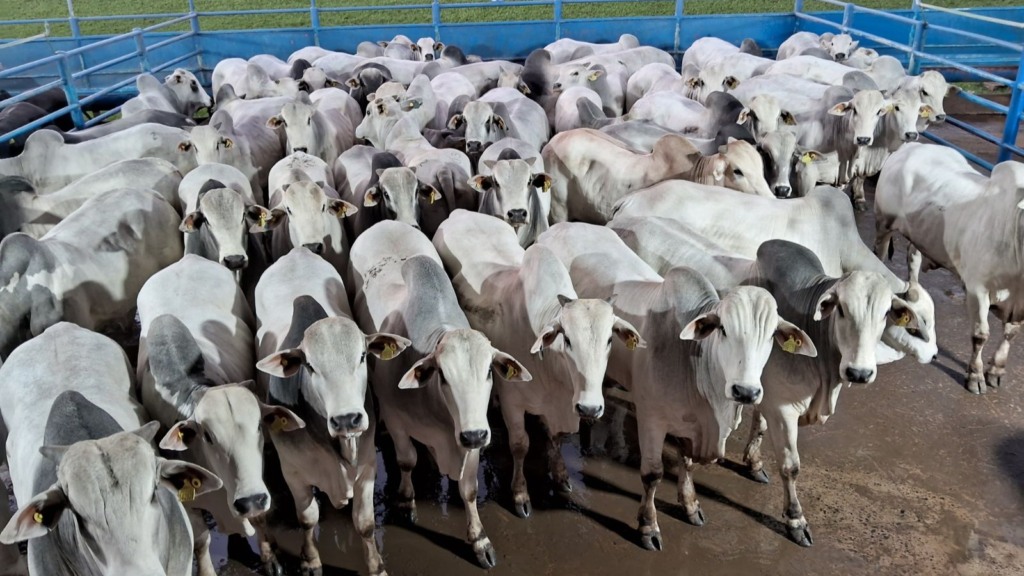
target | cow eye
x=924, y=92
x=362, y=358
x=310, y=368
x=737, y=172
x=309, y=121
x=609, y=340
x=839, y=309
x=896, y=107
x=289, y=209
x=574, y=74
x=206, y=436
x=565, y=339
x=914, y=332
x=722, y=330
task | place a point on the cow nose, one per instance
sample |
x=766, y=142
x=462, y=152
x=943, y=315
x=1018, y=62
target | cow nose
x=474, y=146
x=235, y=262
x=863, y=140
x=841, y=56
x=590, y=412
x=517, y=216
x=428, y=57
x=473, y=439
x=910, y=136
x=315, y=247
x=302, y=149
x=782, y=191
x=745, y=394
x=859, y=375
x=304, y=87
x=252, y=504
x=940, y=118
x=347, y=422
x=556, y=86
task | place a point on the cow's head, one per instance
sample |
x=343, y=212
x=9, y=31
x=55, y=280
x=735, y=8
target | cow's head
x=227, y=221
x=308, y=207
x=189, y=92
x=764, y=115
x=778, y=150
x=510, y=189
x=739, y=166
x=400, y=193
x=483, y=126
x=862, y=114
x=839, y=46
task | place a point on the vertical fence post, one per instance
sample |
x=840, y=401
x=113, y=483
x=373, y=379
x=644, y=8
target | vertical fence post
x=314, y=21
x=916, y=39
x=194, y=22
x=558, y=19
x=76, y=32
x=1013, y=114
x=680, y=6
x=847, y=17
x=798, y=5
x=140, y=46
x=435, y=19
x=70, y=91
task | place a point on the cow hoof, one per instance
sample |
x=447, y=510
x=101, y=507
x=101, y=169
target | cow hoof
x=801, y=535
x=860, y=205
x=652, y=541
x=564, y=487
x=524, y=509
x=759, y=476
x=697, y=518
x=976, y=383
x=272, y=568
x=994, y=377
x=487, y=557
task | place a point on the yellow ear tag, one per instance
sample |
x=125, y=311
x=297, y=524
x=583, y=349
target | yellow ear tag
x=38, y=517
x=791, y=344
x=389, y=352
x=187, y=493
x=806, y=159
x=512, y=372
x=547, y=185
x=263, y=219
x=632, y=342
x=280, y=423
x=903, y=321
x=925, y=113
x=181, y=435
x=434, y=197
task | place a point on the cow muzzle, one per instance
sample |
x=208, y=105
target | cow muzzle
x=474, y=147
x=940, y=118
x=841, y=56
x=302, y=149
x=863, y=140
x=315, y=247
x=910, y=136
x=235, y=263
x=348, y=424
x=746, y=394
x=589, y=412
x=251, y=506
x=859, y=375
x=782, y=191
x=473, y=439
x=517, y=217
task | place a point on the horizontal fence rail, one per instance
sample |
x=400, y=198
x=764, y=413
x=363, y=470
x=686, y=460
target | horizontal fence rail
x=99, y=71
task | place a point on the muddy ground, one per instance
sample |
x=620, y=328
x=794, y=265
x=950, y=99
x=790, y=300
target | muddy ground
x=913, y=475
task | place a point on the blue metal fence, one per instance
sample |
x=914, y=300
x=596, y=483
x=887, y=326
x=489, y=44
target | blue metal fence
x=97, y=70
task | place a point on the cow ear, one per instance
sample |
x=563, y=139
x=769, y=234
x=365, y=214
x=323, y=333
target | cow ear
x=524, y=88
x=481, y=183
x=594, y=75
x=628, y=334
x=353, y=83
x=694, y=82
x=147, y=431
x=36, y=518
x=547, y=337
x=489, y=163
x=840, y=109
x=283, y=364
x=386, y=346
x=509, y=368
x=275, y=122
x=429, y=193
x=719, y=165
x=371, y=197
x=730, y=82
x=701, y=327
x=187, y=480
x=438, y=46
x=787, y=118
x=456, y=121
x=56, y=453
x=792, y=339
x=826, y=305
x=412, y=104
x=901, y=315
x=542, y=181
x=279, y=419
x=341, y=208
x=180, y=436
x=952, y=90
x=745, y=115
x=420, y=374
x=184, y=146
x=192, y=222
x=853, y=46
x=499, y=122
x=263, y=220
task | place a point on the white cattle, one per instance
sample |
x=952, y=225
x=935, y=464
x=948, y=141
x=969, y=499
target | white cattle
x=704, y=50
x=703, y=358
x=94, y=498
x=485, y=75
x=89, y=268
x=24, y=210
x=844, y=126
x=963, y=222
x=630, y=60
x=322, y=128
x=389, y=128
x=566, y=49
x=838, y=46
x=218, y=224
x=448, y=86
x=933, y=88
x=195, y=370
x=610, y=85
x=523, y=301
x=309, y=215
x=314, y=363
x=229, y=176
x=512, y=191
x=823, y=221
x=442, y=398
x=591, y=171
x=883, y=74
x=799, y=96
x=723, y=74
x=180, y=92
x=244, y=122
x=764, y=114
x=676, y=112
x=656, y=77
x=567, y=107
x=522, y=148
x=501, y=113
x=392, y=191
x=49, y=164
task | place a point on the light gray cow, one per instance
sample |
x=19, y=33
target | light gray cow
x=49, y=164
x=388, y=127
x=823, y=221
x=195, y=368
x=933, y=88
x=961, y=221
x=322, y=128
x=566, y=49
x=93, y=498
x=89, y=268
x=244, y=123
x=703, y=358
x=314, y=362
x=523, y=301
x=310, y=215
x=180, y=92
x=512, y=191
x=438, y=391
x=501, y=113
x=839, y=47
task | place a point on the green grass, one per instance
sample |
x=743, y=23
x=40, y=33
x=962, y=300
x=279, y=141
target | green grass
x=57, y=9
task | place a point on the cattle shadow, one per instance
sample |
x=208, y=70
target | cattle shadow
x=1009, y=455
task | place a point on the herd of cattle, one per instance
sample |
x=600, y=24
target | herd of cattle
x=361, y=239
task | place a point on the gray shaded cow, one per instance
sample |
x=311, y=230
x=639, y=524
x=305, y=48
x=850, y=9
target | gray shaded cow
x=501, y=113
x=511, y=190
x=525, y=302
x=438, y=391
x=180, y=92
x=314, y=361
x=93, y=498
x=89, y=268
x=702, y=362
x=322, y=127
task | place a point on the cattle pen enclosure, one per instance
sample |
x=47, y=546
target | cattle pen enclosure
x=913, y=477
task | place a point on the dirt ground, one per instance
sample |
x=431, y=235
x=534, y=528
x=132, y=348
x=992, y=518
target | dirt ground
x=913, y=475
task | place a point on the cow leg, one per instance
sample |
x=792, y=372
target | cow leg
x=652, y=443
x=364, y=521
x=559, y=474
x=519, y=443
x=482, y=547
x=268, y=554
x=405, y=451
x=977, y=313
x=688, y=494
x=994, y=376
x=308, y=517
x=782, y=430
x=201, y=544
x=752, y=454
x=915, y=260
x=883, y=236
